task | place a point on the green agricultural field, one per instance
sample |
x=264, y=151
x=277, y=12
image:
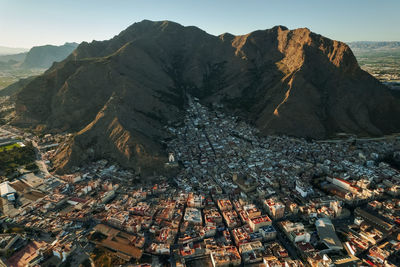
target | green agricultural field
x=9, y=147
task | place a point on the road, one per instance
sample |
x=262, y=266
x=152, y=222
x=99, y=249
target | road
x=285, y=242
x=39, y=161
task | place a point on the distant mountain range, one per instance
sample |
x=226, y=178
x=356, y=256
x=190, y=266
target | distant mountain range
x=36, y=60
x=117, y=96
x=20, y=57
x=45, y=56
x=371, y=49
x=41, y=57
x=366, y=45
x=11, y=50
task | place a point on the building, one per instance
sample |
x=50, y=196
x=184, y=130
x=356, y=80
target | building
x=171, y=157
x=212, y=217
x=345, y=185
x=224, y=204
x=373, y=220
x=6, y=190
x=327, y=234
x=62, y=250
x=196, y=201
x=268, y=232
x=251, y=252
x=124, y=244
x=380, y=255
x=302, y=189
x=231, y=218
x=273, y=262
x=241, y=234
x=225, y=256
x=193, y=215
x=275, y=208
x=252, y=211
x=295, y=231
x=258, y=222
x=342, y=183
x=162, y=249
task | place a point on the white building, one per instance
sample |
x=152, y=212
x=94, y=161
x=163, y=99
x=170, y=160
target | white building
x=6, y=189
x=302, y=189
x=295, y=231
x=171, y=157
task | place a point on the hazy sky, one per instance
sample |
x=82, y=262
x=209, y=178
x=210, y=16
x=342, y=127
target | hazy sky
x=25, y=23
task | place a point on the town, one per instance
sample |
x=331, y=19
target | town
x=237, y=199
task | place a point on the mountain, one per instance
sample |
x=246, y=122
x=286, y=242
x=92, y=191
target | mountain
x=20, y=57
x=369, y=45
x=44, y=56
x=374, y=50
x=30, y=63
x=117, y=96
x=4, y=50
x=40, y=56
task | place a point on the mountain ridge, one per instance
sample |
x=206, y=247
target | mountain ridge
x=44, y=56
x=117, y=95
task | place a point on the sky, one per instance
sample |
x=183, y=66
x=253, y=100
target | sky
x=27, y=23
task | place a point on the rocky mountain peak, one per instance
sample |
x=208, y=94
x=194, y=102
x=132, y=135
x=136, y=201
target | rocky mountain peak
x=118, y=95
